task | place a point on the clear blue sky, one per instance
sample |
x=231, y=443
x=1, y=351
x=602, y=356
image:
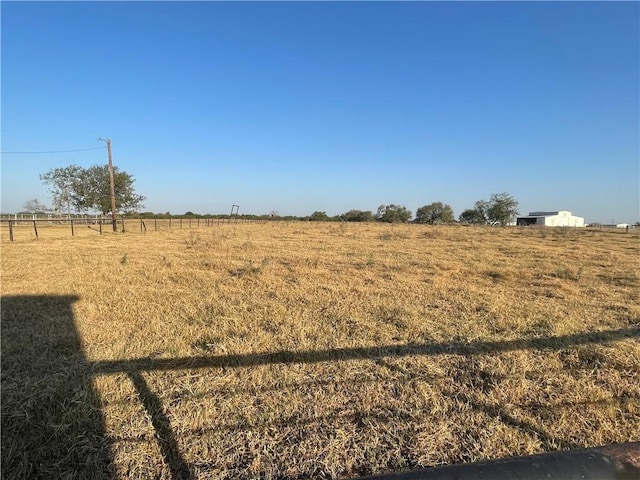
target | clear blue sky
x=297, y=107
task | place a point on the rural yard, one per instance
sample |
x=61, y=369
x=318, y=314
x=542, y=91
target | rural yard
x=313, y=350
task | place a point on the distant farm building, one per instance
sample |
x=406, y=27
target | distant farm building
x=561, y=218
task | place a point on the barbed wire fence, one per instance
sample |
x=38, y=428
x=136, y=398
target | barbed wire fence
x=26, y=225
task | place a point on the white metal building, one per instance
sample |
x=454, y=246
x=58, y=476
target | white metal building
x=561, y=218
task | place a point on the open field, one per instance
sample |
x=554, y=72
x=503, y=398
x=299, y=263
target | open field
x=313, y=350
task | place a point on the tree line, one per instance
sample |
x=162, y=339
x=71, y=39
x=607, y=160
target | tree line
x=79, y=189
x=500, y=209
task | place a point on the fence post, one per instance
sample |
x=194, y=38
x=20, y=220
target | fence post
x=35, y=229
x=169, y=223
x=71, y=222
x=100, y=225
x=123, y=224
x=11, y=230
x=155, y=223
x=198, y=222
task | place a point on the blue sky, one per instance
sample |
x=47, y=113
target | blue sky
x=302, y=106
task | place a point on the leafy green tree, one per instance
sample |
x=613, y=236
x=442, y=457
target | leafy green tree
x=436, y=213
x=502, y=208
x=472, y=215
x=393, y=214
x=319, y=217
x=357, y=216
x=97, y=193
x=366, y=216
x=350, y=216
x=63, y=185
x=482, y=207
x=89, y=188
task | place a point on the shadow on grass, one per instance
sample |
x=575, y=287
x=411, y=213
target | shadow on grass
x=52, y=425
x=364, y=353
x=491, y=411
x=164, y=434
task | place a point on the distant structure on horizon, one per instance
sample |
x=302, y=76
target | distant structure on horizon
x=561, y=218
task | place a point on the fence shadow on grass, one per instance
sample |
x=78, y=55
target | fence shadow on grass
x=491, y=411
x=364, y=353
x=52, y=425
x=166, y=437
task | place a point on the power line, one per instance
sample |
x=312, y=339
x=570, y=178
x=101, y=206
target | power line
x=60, y=151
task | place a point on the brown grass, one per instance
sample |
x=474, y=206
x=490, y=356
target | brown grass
x=313, y=350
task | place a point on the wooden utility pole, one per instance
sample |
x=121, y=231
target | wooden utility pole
x=112, y=186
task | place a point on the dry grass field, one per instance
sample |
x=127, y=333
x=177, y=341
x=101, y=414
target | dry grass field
x=303, y=350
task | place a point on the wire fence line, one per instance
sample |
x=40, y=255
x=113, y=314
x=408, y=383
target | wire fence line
x=32, y=226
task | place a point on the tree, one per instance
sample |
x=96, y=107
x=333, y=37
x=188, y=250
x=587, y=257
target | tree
x=472, y=215
x=96, y=194
x=477, y=215
x=435, y=213
x=62, y=184
x=88, y=188
x=482, y=208
x=393, y=214
x=502, y=208
x=34, y=206
x=319, y=217
x=357, y=216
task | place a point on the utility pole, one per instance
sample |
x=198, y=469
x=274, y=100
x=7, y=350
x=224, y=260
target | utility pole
x=111, y=185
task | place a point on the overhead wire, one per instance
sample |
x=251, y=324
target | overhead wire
x=58, y=151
